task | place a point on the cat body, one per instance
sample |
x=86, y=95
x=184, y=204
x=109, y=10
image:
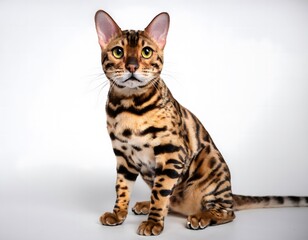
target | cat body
x=154, y=136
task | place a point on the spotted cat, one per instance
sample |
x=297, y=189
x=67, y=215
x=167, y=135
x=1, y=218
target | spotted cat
x=154, y=136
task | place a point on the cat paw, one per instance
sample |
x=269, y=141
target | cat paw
x=114, y=218
x=141, y=208
x=198, y=221
x=148, y=228
x=209, y=218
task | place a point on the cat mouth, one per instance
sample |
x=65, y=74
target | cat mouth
x=134, y=81
x=132, y=78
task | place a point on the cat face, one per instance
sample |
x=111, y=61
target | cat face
x=132, y=59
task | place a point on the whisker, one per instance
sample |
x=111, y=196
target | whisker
x=102, y=84
x=93, y=79
x=100, y=91
x=156, y=86
x=112, y=85
x=96, y=82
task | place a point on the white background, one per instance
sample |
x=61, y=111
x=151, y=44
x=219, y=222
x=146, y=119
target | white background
x=240, y=66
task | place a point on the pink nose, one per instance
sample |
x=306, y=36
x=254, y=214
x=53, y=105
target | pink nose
x=132, y=67
x=132, y=64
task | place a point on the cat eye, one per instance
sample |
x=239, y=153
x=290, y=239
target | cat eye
x=147, y=52
x=118, y=52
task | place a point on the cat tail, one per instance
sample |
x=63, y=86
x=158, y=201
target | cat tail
x=241, y=202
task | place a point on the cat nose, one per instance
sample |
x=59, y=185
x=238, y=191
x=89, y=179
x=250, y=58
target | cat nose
x=132, y=64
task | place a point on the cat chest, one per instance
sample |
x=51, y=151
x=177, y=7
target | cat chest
x=137, y=136
x=127, y=135
x=137, y=152
x=138, y=131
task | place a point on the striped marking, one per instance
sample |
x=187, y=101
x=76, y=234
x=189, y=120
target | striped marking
x=153, y=130
x=115, y=112
x=127, y=174
x=165, y=148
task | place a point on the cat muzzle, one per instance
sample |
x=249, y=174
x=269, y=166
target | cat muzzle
x=132, y=78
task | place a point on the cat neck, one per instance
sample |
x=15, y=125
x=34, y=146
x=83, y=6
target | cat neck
x=118, y=95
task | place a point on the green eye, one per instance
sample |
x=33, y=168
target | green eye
x=147, y=52
x=118, y=52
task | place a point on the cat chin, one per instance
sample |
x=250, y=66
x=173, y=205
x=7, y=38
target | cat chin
x=133, y=84
x=131, y=81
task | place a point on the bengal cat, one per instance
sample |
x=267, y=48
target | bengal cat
x=154, y=136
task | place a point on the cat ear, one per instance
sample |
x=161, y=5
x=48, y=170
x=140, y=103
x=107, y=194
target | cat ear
x=158, y=29
x=106, y=28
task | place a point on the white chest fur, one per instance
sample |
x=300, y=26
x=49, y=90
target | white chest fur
x=125, y=130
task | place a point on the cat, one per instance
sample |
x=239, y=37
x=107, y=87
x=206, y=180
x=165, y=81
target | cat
x=154, y=136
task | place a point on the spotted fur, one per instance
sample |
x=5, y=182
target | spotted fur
x=154, y=136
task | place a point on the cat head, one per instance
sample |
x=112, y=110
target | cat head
x=132, y=59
